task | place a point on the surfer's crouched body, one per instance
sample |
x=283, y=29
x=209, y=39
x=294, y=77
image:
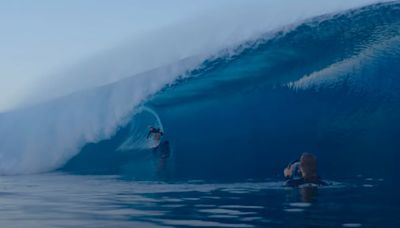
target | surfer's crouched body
x=303, y=172
x=156, y=135
x=161, y=148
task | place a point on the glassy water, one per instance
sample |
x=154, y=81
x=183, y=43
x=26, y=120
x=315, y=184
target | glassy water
x=63, y=200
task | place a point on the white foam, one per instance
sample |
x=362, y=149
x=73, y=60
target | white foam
x=42, y=138
x=340, y=71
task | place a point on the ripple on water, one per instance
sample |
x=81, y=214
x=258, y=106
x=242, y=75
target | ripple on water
x=211, y=197
x=223, y=216
x=368, y=185
x=173, y=205
x=241, y=207
x=172, y=200
x=190, y=199
x=293, y=209
x=225, y=211
x=351, y=225
x=300, y=204
x=251, y=219
x=205, y=205
x=201, y=223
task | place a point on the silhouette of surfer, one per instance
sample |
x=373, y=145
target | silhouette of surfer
x=162, y=149
x=155, y=134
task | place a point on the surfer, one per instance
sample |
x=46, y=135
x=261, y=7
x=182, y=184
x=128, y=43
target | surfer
x=155, y=134
x=303, y=171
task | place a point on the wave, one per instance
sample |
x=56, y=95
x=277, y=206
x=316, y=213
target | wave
x=329, y=86
x=232, y=112
x=43, y=137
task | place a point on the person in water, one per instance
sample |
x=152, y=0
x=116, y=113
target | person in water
x=303, y=171
x=155, y=134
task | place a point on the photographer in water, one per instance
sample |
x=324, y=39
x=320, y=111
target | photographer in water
x=303, y=171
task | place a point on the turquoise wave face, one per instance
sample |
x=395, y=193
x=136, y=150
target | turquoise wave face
x=329, y=86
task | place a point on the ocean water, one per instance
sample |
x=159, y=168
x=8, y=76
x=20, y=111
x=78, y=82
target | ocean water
x=328, y=85
x=64, y=200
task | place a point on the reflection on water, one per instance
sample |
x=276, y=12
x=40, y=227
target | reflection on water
x=59, y=200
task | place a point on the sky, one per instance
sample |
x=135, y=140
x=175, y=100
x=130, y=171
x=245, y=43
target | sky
x=58, y=47
x=41, y=37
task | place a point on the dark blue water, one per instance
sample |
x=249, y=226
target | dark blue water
x=329, y=86
x=60, y=200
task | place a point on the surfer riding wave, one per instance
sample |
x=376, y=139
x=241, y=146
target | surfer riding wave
x=155, y=134
x=161, y=148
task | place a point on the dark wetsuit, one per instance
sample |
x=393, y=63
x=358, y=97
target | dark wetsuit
x=302, y=181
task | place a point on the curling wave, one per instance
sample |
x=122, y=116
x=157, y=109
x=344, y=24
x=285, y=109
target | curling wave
x=236, y=115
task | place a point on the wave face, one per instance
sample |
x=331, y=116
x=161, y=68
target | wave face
x=328, y=86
